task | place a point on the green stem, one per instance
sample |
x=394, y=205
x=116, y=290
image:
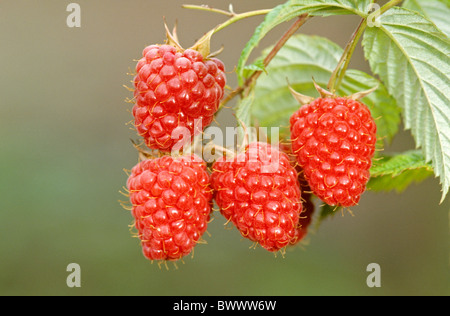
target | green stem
x=389, y=5
x=302, y=19
x=358, y=35
x=281, y=42
x=346, y=57
x=339, y=73
x=239, y=17
x=206, y=8
x=234, y=17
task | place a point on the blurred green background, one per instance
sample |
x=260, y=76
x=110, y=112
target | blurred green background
x=64, y=144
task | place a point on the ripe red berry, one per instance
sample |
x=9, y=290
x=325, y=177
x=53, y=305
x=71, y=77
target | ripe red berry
x=259, y=192
x=305, y=219
x=334, y=141
x=308, y=206
x=177, y=94
x=171, y=199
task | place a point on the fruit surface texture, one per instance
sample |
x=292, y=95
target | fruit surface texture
x=176, y=95
x=258, y=191
x=334, y=142
x=171, y=203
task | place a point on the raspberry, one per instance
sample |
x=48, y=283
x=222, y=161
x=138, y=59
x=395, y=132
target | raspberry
x=171, y=199
x=259, y=192
x=308, y=206
x=305, y=216
x=177, y=94
x=334, y=142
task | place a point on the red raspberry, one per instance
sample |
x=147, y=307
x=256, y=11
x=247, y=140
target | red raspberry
x=259, y=192
x=172, y=201
x=173, y=90
x=334, y=141
x=308, y=206
x=305, y=216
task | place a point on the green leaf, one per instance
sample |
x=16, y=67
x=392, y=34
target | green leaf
x=292, y=9
x=400, y=182
x=412, y=58
x=399, y=171
x=437, y=11
x=396, y=164
x=258, y=65
x=306, y=57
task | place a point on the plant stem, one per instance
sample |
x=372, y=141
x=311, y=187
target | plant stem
x=239, y=17
x=389, y=5
x=281, y=42
x=207, y=8
x=339, y=73
x=346, y=56
x=234, y=17
x=352, y=48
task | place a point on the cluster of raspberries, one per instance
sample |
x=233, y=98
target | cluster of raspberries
x=258, y=191
x=261, y=190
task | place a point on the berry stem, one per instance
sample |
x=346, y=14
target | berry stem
x=207, y=8
x=234, y=17
x=203, y=44
x=352, y=50
x=339, y=73
x=238, y=17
